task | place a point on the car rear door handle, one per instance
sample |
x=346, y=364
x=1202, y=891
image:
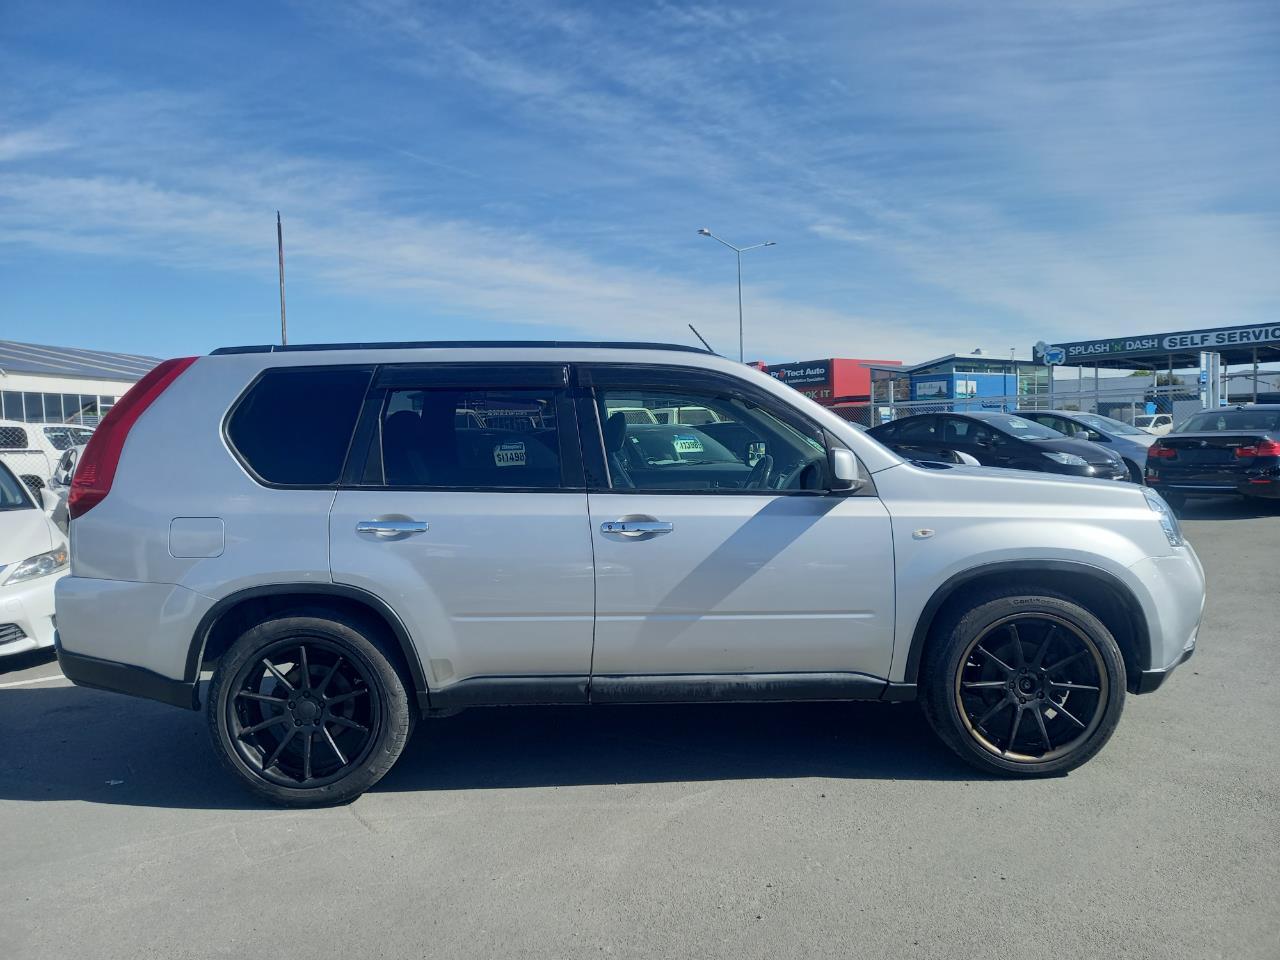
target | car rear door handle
x=636, y=528
x=393, y=529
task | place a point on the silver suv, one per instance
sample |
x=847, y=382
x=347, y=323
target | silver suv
x=351, y=537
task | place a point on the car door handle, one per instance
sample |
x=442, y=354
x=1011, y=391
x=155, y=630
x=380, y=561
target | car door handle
x=637, y=528
x=389, y=529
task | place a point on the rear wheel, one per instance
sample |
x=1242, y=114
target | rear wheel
x=1029, y=685
x=307, y=711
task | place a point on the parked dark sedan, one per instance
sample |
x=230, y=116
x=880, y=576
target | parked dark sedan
x=999, y=440
x=1233, y=450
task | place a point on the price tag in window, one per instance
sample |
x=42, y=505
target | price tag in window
x=510, y=454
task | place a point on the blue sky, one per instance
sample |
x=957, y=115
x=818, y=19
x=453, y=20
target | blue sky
x=937, y=175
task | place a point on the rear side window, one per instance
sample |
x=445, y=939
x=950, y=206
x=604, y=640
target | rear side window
x=294, y=424
x=13, y=438
x=473, y=439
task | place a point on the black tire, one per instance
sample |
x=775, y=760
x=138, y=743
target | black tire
x=1135, y=472
x=261, y=699
x=967, y=693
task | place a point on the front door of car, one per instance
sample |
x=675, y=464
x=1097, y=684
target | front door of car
x=463, y=508
x=720, y=550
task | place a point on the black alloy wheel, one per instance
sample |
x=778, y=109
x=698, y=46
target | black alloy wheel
x=1023, y=683
x=304, y=713
x=308, y=710
x=1033, y=688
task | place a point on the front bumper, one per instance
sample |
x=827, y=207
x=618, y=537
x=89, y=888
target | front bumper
x=26, y=615
x=1173, y=605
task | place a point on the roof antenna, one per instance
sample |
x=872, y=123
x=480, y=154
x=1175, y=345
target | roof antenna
x=284, y=330
x=702, y=338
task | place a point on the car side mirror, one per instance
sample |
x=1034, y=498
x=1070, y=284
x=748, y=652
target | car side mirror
x=48, y=501
x=844, y=470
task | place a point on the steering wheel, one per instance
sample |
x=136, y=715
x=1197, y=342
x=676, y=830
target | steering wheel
x=758, y=478
x=792, y=474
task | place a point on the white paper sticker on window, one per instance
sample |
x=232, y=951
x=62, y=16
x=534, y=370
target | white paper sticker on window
x=510, y=454
x=687, y=444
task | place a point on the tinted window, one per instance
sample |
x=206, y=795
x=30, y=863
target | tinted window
x=964, y=431
x=737, y=444
x=1221, y=420
x=12, y=496
x=13, y=438
x=294, y=424
x=1107, y=425
x=921, y=429
x=467, y=438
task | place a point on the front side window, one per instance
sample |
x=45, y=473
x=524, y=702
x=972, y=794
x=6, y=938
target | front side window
x=466, y=438
x=918, y=430
x=735, y=443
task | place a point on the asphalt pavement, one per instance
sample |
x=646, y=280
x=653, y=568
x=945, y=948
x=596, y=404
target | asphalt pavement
x=825, y=830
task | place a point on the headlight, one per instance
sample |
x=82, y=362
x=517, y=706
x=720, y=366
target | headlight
x=1069, y=459
x=42, y=564
x=1168, y=520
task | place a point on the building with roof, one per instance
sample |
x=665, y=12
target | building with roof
x=42, y=384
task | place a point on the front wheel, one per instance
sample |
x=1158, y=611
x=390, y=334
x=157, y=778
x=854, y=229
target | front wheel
x=307, y=711
x=1028, y=685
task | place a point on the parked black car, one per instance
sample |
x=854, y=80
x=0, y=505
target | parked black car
x=1233, y=450
x=999, y=440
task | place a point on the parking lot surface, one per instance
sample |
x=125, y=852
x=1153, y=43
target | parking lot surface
x=824, y=830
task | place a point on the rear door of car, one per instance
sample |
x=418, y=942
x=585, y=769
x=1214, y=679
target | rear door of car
x=463, y=507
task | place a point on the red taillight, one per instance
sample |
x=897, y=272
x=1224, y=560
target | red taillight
x=97, y=467
x=1267, y=448
x=1161, y=453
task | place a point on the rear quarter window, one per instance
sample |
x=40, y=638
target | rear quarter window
x=293, y=425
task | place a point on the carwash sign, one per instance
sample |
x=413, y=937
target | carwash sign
x=1215, y=339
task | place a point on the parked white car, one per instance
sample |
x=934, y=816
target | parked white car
x=1156, y=424
x=316, y=529
x=32, y=450
x=33, y=556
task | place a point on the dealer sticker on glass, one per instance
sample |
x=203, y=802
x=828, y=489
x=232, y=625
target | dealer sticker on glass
x=510, y=454
x=687, y=444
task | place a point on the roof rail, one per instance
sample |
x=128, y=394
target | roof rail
x=455, y=344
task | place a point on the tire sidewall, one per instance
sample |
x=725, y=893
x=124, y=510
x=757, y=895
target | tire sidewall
x=941, y=704
x=394, y=723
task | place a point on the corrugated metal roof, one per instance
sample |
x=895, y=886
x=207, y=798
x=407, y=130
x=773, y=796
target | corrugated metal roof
x=34, y=358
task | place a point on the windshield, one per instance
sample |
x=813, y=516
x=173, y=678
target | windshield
x=1107, y=425
x=1022, y=429
x=660, y=444
x=1216, y=421
x=12, y=496
x=63, y=438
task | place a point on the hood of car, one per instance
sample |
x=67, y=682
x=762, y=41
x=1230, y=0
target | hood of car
x=23, y=533
x=1090, y=452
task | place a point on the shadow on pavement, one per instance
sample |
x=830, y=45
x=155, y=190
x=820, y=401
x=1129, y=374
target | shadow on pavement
x=1228, y=508
x=25, y=661
x=68, y=743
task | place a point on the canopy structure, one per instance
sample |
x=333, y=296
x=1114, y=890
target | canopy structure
x=1236, y=345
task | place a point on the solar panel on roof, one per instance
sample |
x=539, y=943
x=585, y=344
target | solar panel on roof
x=34, y=358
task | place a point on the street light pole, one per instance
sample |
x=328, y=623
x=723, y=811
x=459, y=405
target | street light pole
x=739, y=251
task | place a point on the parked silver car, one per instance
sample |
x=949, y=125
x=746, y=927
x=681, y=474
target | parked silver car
x=1128, y=442
x=350, y=537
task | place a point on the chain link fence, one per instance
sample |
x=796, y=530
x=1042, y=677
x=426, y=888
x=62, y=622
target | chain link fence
x=1124, y=401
